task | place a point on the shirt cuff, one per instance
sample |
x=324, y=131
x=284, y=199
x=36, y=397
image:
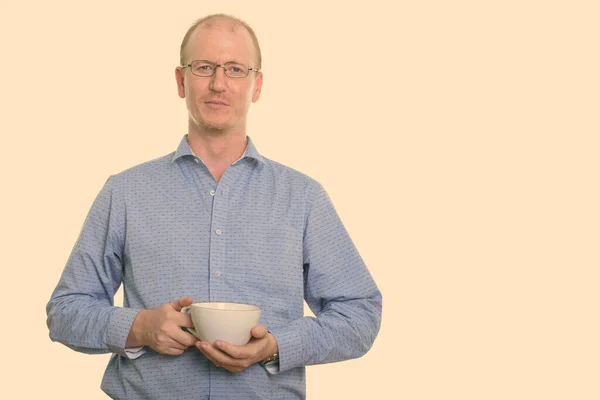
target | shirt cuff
x=118, y=328
x=272, y=367
x=134, y=352
x=290, y=349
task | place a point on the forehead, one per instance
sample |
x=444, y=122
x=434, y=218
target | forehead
x=221, y=40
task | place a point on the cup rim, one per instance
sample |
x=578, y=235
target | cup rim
x=208, y=305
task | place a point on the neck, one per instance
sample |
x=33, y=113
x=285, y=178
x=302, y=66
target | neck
x=217, y=149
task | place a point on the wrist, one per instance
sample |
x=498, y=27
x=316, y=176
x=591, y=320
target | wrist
x=136, y=337
x=273, y=350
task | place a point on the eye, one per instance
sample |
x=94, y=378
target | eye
x=202, y=68
x=236, y=70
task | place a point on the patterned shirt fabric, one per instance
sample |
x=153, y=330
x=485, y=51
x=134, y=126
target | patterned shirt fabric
x=264, y=234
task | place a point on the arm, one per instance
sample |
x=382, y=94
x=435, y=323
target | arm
x=338, y=289
x=81, y=311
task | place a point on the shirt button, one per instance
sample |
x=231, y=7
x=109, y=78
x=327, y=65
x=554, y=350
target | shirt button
x=212, y=192
x=218, y=231
x=218, y=273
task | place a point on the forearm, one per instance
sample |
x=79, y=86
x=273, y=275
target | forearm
x=89, y=326
x=342, y=331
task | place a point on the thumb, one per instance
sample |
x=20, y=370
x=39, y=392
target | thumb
x=259, y=331
x=182, y=302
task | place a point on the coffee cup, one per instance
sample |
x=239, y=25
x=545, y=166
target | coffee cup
x=230, y=322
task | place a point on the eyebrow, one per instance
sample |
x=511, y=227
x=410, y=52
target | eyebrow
x=226, y=62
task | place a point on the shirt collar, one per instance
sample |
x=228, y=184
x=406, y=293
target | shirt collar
x=184, y=149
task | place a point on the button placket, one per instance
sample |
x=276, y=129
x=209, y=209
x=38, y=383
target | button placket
x=218, y=242
x=202, y=182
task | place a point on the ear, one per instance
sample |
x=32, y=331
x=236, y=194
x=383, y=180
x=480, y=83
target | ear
x=180, y=82
x=257, y=87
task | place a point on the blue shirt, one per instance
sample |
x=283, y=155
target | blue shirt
x=264, y=234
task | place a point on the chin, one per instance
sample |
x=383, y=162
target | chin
x=215, y=125
x=209, y=122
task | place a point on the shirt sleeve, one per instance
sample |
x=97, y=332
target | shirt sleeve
x=339, y=290
x=81, y=312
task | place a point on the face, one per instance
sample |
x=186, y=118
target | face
x=219, y=103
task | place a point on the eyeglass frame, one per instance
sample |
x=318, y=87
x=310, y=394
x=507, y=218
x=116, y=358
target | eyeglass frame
x=222, y=66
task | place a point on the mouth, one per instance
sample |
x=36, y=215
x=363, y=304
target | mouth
x=216, y=104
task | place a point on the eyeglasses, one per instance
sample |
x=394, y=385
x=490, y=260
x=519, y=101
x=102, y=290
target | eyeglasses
x=206, y=68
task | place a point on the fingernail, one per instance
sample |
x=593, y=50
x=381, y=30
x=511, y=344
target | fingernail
x=218, y=344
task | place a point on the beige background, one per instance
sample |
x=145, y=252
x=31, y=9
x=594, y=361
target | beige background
x=457, y=139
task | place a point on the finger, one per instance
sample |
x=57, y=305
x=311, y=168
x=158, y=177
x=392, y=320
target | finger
x=170, y=347
x=172, y=351
x=184, y=320
x=184, y=338
x=207, y=353
x=231, y=350
x=185, y=301
x=215, y=355
x=246, y=352
x=175, y=345
x=181, y=302
x=259, y=331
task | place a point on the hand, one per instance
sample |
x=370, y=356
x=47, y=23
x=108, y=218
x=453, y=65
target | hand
x=160, y=328
x=237, y=358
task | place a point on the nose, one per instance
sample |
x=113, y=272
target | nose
x=218, y=81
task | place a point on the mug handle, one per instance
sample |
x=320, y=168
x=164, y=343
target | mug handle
x=186, y=310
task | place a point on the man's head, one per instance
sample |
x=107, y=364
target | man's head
x=182, y=50
x=219, y=103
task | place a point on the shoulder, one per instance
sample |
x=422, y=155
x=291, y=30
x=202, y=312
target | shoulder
x=291, y=176
x=143, y=173
x=290, y=182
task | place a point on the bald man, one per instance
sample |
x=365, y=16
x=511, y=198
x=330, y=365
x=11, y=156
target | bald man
x=214, y=221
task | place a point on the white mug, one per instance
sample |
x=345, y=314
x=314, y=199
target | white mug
x=230, y=322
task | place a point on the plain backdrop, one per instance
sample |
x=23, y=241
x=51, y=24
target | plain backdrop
x=458, y=141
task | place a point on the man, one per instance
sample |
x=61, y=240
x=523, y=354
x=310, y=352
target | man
x=215, y=221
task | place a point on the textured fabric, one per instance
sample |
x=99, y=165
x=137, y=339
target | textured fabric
x=265, y=234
